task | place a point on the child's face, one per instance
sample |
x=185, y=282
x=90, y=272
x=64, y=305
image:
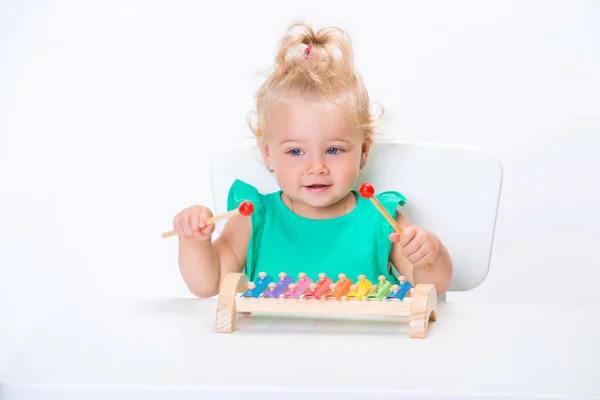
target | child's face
x=315, y=151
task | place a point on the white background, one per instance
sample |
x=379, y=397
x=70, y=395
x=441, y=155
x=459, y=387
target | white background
x=111, y=111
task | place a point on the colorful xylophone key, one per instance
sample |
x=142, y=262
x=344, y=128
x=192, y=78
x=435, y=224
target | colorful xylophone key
x=251, y=290
x=310, y=293
x=404, y=289
x=392, y=295
x=256, y=288
x=379, y=291
x=330, y=294
x=324, y=288
x=399, y=292
x=319, y=289
x=277, y=288
x=340, y=288
x=360, y=289
x=297, y=289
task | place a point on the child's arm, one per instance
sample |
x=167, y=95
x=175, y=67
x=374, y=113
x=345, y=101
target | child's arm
x=203, y=265
x=414, y=249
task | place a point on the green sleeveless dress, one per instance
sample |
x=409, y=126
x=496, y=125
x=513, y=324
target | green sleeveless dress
x=281, y=241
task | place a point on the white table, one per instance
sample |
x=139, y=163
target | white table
x=168, y=349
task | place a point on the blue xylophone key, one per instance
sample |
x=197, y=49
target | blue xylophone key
x=404, y=289
x=261, y=284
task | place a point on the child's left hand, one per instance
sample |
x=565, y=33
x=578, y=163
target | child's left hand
x=418, y=246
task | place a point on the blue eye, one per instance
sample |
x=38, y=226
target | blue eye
x=335, y=150
x=295, y=152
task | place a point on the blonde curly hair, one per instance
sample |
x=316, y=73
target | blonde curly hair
x=321, y=63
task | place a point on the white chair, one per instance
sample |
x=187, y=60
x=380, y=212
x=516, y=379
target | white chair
x=452, y=191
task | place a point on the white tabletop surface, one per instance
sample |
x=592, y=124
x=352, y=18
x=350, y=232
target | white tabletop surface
x=168, y=349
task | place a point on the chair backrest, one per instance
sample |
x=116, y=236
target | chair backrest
x=452, y=191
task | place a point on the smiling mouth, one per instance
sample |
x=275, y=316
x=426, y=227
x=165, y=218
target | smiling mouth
x=317, y=189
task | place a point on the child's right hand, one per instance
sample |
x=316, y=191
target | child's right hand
x=190, y=224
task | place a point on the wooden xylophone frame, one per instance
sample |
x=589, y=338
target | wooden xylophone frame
x=420, y=307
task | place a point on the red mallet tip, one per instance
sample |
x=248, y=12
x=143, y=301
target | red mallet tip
x=366, y=190
x=246, y=208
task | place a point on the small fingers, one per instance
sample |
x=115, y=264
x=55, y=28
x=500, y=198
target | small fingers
x=205, y=228
x=184, y=221
x=177, y=226
x=208, y=229
x=418, y=255
x=408, y=234
x=412, y=247
x=194, y=224
x=423, y=261
x=190, y=223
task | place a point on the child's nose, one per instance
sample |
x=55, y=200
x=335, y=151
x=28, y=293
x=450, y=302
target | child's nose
x=317, y=169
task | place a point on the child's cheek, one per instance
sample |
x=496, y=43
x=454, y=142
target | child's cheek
x=289, y=165
x=346, y=166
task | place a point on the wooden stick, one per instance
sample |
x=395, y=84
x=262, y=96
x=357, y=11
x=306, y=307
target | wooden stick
x=386, y=215
x=228, y=214
x=209, y=221
x=246, y=208
x=169, y=234
x=367, y=190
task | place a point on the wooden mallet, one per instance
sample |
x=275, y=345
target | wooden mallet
x=246, y=208
x=367, y=191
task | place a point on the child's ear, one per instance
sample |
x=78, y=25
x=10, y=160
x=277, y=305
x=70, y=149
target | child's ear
x=265, y=151
x=366, y=147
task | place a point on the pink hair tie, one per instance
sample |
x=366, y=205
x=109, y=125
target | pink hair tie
x=307, y=51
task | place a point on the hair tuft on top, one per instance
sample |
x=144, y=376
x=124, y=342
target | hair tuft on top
x=322, y=63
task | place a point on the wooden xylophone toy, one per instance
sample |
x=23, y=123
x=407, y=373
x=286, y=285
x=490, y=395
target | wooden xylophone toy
x=323, y=296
